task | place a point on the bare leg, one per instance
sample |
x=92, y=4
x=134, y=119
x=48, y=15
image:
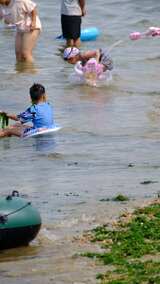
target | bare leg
x=77, y=42
x=18, y=46
x=15, y=130
x=70, y=42
x=28, y=43
x=29, y=40
x=2, y=134
x=74, y=42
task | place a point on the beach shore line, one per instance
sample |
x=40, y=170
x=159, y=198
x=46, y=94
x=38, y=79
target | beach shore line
x=54, y=256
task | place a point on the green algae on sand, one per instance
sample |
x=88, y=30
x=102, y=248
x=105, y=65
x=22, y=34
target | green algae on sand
x=131, y=248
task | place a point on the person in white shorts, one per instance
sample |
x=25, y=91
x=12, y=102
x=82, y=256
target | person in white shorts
x=22, y=14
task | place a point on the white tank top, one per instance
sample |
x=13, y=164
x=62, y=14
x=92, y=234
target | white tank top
x=70, y=8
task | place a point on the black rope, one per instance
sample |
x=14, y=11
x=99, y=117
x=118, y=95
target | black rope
x=4, y=218
x=19, y=209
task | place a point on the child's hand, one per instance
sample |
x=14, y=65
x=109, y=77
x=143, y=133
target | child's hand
x=33, y=26
x=97, y=55
x=33, y=20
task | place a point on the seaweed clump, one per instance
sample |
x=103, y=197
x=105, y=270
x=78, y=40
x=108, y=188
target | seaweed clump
x=131, y=249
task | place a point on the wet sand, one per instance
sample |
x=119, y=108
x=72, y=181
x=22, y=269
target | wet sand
x=104, y=131
x=54, y=256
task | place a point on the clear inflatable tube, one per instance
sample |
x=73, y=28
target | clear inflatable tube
x=91, y=74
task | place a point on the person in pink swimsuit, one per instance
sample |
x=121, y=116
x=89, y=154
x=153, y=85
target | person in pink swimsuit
x=22, y=14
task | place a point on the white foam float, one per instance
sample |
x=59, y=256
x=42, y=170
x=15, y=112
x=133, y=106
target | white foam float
x=36, y=132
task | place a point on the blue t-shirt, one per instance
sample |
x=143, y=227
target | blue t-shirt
x=41, y=115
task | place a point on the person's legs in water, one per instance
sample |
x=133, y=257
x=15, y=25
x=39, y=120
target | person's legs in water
x=77, y=42
x=71, y=28
x=18, y=46
x=14, y=130
x=27, y=44
x=69, y=42
x=73, y=43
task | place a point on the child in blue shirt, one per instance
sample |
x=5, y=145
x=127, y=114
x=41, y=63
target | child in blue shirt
x=40, y=114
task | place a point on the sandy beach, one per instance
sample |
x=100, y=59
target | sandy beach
x=58, y=248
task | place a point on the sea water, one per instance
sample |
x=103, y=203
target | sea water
x=109, y=142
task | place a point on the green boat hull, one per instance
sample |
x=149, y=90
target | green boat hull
x=20, y=222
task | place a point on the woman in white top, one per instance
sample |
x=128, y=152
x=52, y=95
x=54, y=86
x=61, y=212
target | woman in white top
x=23, y=14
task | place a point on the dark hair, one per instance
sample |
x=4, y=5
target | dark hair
x=36, y=91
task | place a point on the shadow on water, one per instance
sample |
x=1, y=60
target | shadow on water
x=39, y=144
x=26, y=67
x=44, y=144
x=6, y=144
x=28, y=252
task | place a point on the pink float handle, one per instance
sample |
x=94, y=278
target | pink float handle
x=152, y=31
x=135, y=35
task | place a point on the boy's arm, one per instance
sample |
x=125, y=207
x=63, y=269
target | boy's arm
x=23, y=117
x=27, y=116
x=82, y=5
x=11, y=116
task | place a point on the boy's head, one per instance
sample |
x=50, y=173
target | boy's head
x=37, y=93
x=71, y=54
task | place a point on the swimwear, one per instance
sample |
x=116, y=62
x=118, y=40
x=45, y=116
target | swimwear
x=41, y=115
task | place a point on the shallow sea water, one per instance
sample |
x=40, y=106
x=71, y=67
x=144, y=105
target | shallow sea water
x=110, y=139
